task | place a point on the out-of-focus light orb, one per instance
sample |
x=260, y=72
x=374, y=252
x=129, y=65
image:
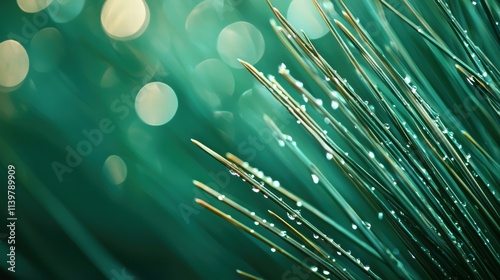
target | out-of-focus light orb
x=124, y=20
x=14, y=63
x=156, y=103
x=213, y=75
x=62, y=11
x=303, y=15
x=240, y=40
x=115, y=170
x=46, y=49
x=33, y=6
x=204, y=23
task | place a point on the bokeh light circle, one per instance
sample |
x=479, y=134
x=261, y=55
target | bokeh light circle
x=124, y=20
x=156, y=103
x=213, y=75
x=115, y=170
x=33, y=6
x=203, y=24
x=240, y=40
x=46, y=49
x=303, y=15
x=14, y=63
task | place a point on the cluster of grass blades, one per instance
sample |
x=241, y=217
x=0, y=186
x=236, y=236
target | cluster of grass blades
x=428, y=168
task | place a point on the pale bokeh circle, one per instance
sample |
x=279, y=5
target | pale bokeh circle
x=303, y=15
x=33, y=6
x=115, y=169
x=156, y=103
x=203, y=24
x=46, y=49
x=214, y=76
x=240, y=40
x=14, y=63
x=125, y=20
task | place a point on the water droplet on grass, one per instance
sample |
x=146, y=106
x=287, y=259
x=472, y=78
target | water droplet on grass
x=315, y=178
x=335, y=105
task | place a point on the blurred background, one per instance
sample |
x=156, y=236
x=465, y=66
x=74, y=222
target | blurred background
x=98, y=103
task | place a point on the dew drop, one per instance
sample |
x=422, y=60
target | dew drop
x=371, y=155
x=335, y=105
x=221, y=197
x=467, y=157
x=273, y=250
x=367, y=225
x=290, y=216
x=329, y=156
x=315, y=178
x=380, y=215
x=299, y=203
x=314, y=268
x=326, y=272
x=387, y=126
x=255, y=190
x=315, y=236
x=234, y=173
x=354, y=227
